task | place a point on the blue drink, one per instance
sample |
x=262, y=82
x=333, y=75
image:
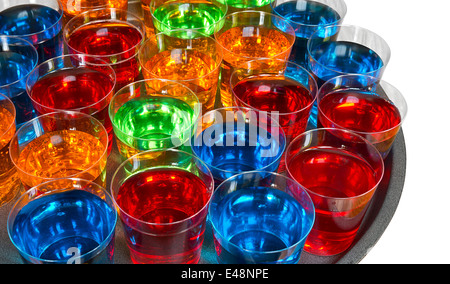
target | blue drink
x=335, y=51
x=232, y=148
x=345, y=58
x=259, y=224
x=40, y=25
x=306, y=17
x=17, y=59
x=56, y=227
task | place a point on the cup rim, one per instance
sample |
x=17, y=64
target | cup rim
x=281, y=132
x=95, y=250
x=80, y=109
x=13, y=123
x=334, y=23
x=196, y=109
x=224, y=3
x=210, y=187
x=266, y=14
x=380, y=83
x=362, y=139
x=66, y=34
x=310, y=201
x=56, y=114
x=316, y=88
x=339, y=27
x=36, y=59
x=218, y=63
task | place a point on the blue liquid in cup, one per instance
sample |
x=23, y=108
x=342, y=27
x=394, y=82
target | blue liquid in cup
x=58, y=226
x=38, y=24
x=257, y=225
x=339, y=58
x=232, y=149
x=16, y=62
x=306, y=17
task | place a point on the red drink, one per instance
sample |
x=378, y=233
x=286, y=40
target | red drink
x=341, y=185
x=114, y=41
x=168, y=210
x=279, y=94
x=368, y=114
x=83, y=89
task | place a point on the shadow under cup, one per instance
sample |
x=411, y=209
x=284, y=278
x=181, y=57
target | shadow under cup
x=163, y=198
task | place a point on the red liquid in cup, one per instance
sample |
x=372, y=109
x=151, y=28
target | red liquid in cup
x=334, y=173
x=277, y=94
x=159, y=197
x=119, y=40
x=376, y=117
x=75, y=88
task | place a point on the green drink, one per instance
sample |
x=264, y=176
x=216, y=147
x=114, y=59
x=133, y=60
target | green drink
x=152, y=122
x=199, y=15
x=248, y=3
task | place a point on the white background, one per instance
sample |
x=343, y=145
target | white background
x=419, y=37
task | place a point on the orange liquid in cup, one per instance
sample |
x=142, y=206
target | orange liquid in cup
x=62, y=154
x=9, y=180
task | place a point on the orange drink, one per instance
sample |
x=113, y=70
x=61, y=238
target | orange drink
x=60, y=145
x=250, y=35
x=9, y=181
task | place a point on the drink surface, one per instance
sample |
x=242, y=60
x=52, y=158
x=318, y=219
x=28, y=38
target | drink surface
x=202, y=16
x=27, y=19
x=253, y=42
x=248, y=3
x=49, y=226
x=244, y=43
x=159, y=197
x=162, y=195
x=72, y=88
x=115, y=41
x=106, y=38
x=307, y=13
x=277, y=94
x=332, y=172
x=155, y=117
x=231, y=148
x=40, y=24
x=61, y=154
x=180, y=64
x=258, y=220
x=358, y=111
x=345, y=57
x=306, y=18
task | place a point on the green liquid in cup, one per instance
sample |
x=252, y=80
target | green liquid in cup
x=200, y=16
x=148, y=123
